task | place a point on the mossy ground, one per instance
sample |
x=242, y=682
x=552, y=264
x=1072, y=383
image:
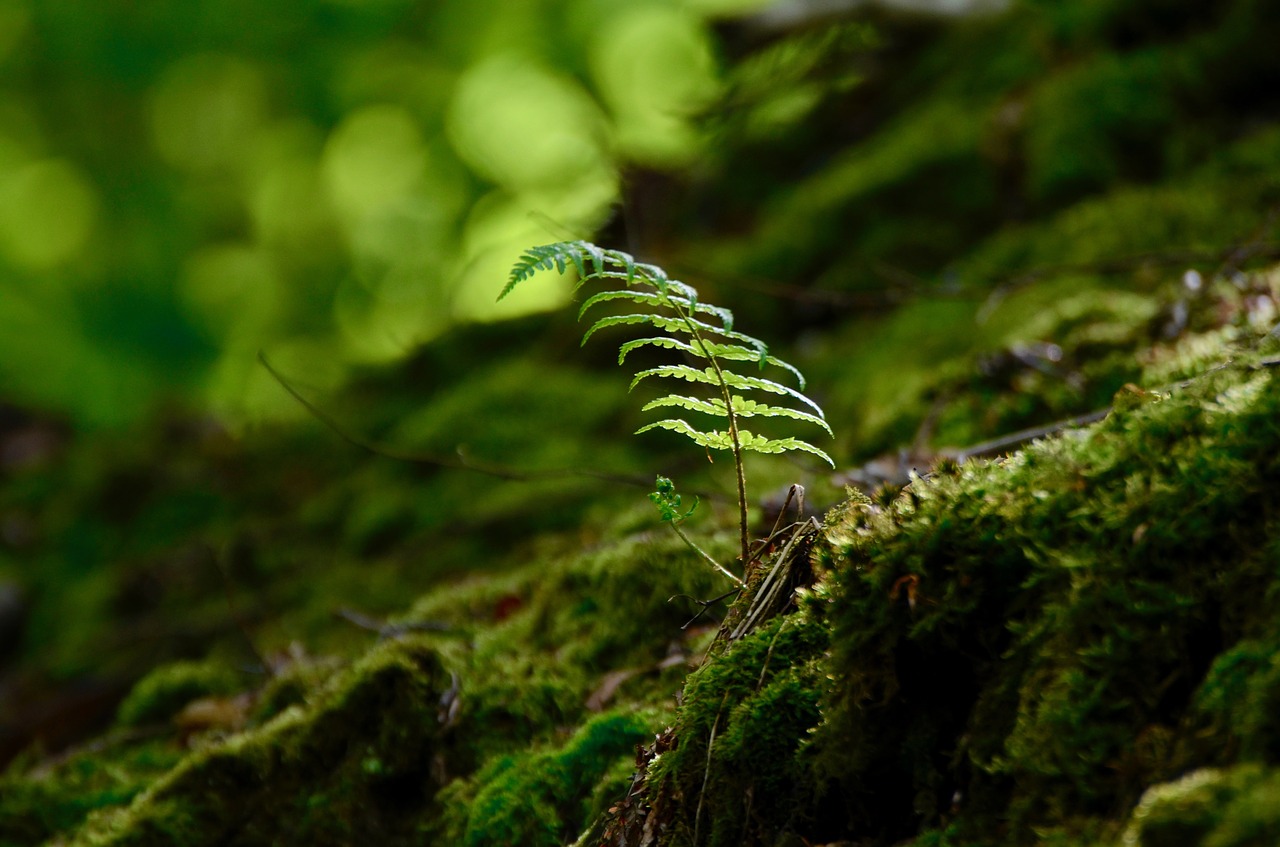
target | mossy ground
x=1017, y=649
x=512, y=721
x=1037, y=648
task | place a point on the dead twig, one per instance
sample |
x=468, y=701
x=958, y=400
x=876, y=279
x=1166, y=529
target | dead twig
x=460, y=461
x=705, y=604
x=766, y=603
x=706, y=772
x=389, y=630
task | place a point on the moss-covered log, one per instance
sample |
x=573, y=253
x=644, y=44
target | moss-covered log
x=1017, y=651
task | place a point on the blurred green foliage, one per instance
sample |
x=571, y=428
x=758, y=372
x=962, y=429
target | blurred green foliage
x=335, y=182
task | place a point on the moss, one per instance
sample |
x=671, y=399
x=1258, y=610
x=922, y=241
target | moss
x=622, y=603
x=162, y=693
x=1055, y=638
x=466, y=734
x=997, y=128
x=1214, y=206
x=1240, y=699
x=531, y=648
x=355, y=764
x=740, y=773
x=1004, y=654
x=292, y=685
x=1252, y=817
x=43, y=801
x=512, y=699
x=545, y=798
x=1014, y=651
x=1209, y=808
x=899, y=170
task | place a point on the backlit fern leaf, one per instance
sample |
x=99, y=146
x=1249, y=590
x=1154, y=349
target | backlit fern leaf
x=694, y=329
x=743, y=408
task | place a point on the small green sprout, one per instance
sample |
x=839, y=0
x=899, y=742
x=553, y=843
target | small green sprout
x=669, y=504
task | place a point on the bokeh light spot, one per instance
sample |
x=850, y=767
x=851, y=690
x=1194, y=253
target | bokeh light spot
x=47, y=213
x=498, y=231
x=522, y=126
x=230, y=290
x=654, y=67
x=386, y=320
x=373, y=159
x=204, y=111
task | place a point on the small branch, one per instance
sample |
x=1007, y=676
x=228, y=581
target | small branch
x=704, y=554
x=460, y=462
x=705, y=604
x=389, y=630
x=1005, y=443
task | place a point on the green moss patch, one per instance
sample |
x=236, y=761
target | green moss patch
x=39, y=802
x=357, y=764
x=1068, y=601
x=162, y=693
x=1016, y=650
x=545, y=798
x=511, y=715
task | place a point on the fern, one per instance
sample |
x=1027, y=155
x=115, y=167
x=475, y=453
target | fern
x=699, y=332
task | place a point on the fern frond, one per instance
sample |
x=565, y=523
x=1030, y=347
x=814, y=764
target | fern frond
x=728, y=352
x=674, y=325
x=742, y=407
x=663, y=341
x=712, y=439
x=673, y=307
x=693, y=404
x=665, y=285
x=710, y=376
x=745, y=408
x=760, y=444
x=737, y=353
x=644, y=298
x=559, y=256
x=720, y=440
x=542, y=258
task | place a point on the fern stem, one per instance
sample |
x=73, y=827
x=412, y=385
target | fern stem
x=744, y=534
x=737, y=466
x=704, y=554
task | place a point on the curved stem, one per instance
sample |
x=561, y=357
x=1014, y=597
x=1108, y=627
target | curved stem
x=744, y=536
x=737, y=463
x=704, y=554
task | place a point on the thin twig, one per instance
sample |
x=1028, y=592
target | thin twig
x=768, y=655
x=458, y=462
x=704, y=554
x=706, y=771
x=768, y=591
x=1001, y=445
x=389, y=630
x=705, y=604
